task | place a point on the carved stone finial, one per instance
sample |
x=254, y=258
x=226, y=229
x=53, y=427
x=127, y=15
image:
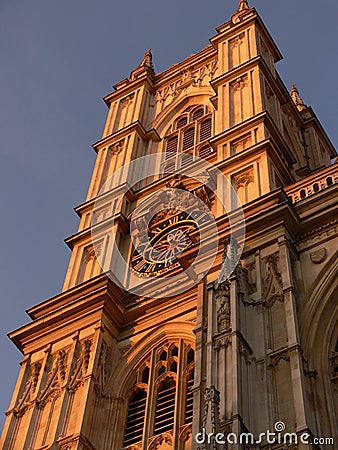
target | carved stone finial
x=296, y=98
x=147, y=60
x=230, y=260
x=243, y=4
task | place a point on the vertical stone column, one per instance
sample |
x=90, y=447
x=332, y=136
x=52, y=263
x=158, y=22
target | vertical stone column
x=198, y=379
x=295, y=352
x=210, y=372
x=236, y=381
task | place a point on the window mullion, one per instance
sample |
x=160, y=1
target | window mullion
x=151, y=402
x=179, y=400
x=179, y=147
x=196, y=140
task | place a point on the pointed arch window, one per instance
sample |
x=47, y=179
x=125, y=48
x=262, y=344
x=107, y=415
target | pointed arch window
x=166, y=378
x=181, y=122
x=192, y=128
x=198, y=113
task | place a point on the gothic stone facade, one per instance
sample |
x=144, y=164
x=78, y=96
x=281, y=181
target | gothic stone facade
x=106, y=370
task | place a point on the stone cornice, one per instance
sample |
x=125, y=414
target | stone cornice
x=86, y=206
x=85, y=301
x=85, y=234
x=124, y=87
x=276, y=82
x=247, y=125
x=100, y=282
x=133, y=127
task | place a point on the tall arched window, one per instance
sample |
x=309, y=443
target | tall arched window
x=188, y=134
x=171, y=369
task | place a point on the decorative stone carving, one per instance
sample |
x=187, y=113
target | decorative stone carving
x=275, y=360
x=185, y=432
x=205, y=195
x=222, y=342
x=318, y=256
x=236, y=41
x=176, y=181
x=269, y=92
x=239, y=84
x=334, y=369
x=101, y=373
x=127, y=101
x=243, y=179
x=134, y=447
x=29, y=391
x=211, y=420
x=81, y=366
x=116, y=148
x=318, y=234
x=89, y=253
x=125, y=349
x=223, y=307
x=273, y=287
x=246, y=352
x=66, y=447
x=162, y=442
x=55, y=380
x=249, y=274
x=190, y=78
x=170, y=202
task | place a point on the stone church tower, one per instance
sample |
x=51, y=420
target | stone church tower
x=146, y=363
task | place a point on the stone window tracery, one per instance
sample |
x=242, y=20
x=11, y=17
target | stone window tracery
x=188, y=135
x=243, y=183
x=166, y=376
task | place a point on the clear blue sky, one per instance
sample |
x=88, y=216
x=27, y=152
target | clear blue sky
x=58, y=59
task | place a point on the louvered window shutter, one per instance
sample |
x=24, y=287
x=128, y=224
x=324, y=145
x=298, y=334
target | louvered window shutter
x=135, y=418
x=189, y=397
x=198, y=114
x=181, y=122
x=205, y=130
x=165, y=407
x=188, y=139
